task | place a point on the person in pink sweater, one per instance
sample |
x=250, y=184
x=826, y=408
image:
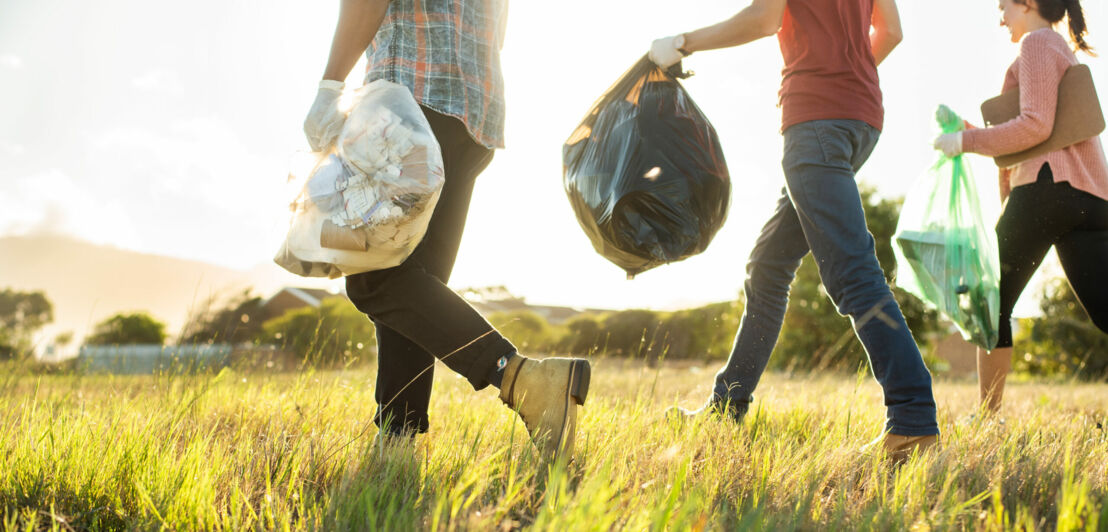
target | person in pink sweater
x=1059, y=199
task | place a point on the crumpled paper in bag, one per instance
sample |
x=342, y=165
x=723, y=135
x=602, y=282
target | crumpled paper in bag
x=366, y=205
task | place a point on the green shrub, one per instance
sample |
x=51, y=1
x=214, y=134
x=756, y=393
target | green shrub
x=334, y=334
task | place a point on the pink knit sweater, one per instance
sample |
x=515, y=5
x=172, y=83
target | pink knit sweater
x=1044, y=57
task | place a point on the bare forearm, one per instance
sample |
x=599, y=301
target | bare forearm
x=887, y=32
x=760, y=19
x=883, y=43
x=357, y=25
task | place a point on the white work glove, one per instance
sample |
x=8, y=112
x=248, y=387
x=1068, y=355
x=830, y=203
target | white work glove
x=950, y=144
x=664, y=52
x=324, y=121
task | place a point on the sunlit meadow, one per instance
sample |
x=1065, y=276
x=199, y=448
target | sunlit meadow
x=237, y=451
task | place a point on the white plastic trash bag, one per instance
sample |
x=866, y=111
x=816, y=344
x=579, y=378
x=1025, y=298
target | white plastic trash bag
x=366, y=204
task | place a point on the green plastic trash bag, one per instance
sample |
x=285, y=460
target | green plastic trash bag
x=946, y=249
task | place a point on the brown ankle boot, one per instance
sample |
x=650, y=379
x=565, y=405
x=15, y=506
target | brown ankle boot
x=898, y=448
x=546, y=394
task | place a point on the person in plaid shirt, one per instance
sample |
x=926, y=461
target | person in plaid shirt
x=447, y=52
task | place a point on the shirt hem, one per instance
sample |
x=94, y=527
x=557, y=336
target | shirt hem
x=786, y=123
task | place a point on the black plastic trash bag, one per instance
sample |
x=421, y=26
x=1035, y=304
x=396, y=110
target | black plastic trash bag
x=645, y=173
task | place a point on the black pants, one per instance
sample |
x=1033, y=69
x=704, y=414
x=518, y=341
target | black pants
x=1044, y=214
x=419, y=319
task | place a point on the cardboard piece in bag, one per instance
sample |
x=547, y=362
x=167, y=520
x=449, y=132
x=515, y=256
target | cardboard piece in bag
x=1078, y=116
x=337, y=237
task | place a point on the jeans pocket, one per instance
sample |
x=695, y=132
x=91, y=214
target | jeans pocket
x=803, y=147
x=836, y=142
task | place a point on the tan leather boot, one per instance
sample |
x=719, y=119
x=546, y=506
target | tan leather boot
x=546, y=394
x=898, y=448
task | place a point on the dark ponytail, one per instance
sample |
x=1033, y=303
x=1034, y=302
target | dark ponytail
x=1054, y=10
x=1077, y=25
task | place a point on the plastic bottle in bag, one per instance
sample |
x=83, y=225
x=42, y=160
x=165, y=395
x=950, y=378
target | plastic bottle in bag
x=945, y=251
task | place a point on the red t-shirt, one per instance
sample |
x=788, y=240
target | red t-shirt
x=829, y=67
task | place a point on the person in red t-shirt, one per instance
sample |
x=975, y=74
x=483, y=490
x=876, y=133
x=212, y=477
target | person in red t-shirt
x=831, y=119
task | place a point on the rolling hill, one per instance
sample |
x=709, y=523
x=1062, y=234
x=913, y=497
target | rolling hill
x=88, y=282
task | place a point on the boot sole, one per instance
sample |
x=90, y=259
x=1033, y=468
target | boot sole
x=580, y=373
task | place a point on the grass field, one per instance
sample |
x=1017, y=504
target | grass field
x=289, y=452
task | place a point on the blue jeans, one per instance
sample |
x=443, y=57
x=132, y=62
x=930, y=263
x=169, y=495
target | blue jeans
x=820, y=211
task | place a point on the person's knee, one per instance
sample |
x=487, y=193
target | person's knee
x=770, y=275
x=859, y=294
x=767, y=287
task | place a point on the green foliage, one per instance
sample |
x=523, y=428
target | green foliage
x=527, y=330
x=21, y=315
x=814, y=334
x=1063, y=341
x=632, y=333
x=700, y=333
x=63, y=338
x=236, y=320
x=336, y=333
x=128, y=329
x=584, y=335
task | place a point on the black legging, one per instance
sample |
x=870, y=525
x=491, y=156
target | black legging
x=1042, y=214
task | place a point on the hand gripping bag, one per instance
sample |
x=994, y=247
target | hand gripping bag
x=365, y=205
x=645, y=173
x=946, y=253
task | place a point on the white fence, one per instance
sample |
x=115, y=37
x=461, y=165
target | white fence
x=140, y=359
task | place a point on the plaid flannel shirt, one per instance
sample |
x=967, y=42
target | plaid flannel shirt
x=447, y=52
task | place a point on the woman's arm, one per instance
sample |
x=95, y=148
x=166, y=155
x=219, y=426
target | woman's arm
x=1040, y=70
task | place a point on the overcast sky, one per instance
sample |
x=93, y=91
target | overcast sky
x=168, y=128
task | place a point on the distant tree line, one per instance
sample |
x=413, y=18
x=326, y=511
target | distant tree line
x=332, y=334
x=1061, y=342
x=814, y=334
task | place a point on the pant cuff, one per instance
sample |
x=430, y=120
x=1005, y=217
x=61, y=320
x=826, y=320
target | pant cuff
x=478, y=359
x=911, y=431
x=390, y=423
